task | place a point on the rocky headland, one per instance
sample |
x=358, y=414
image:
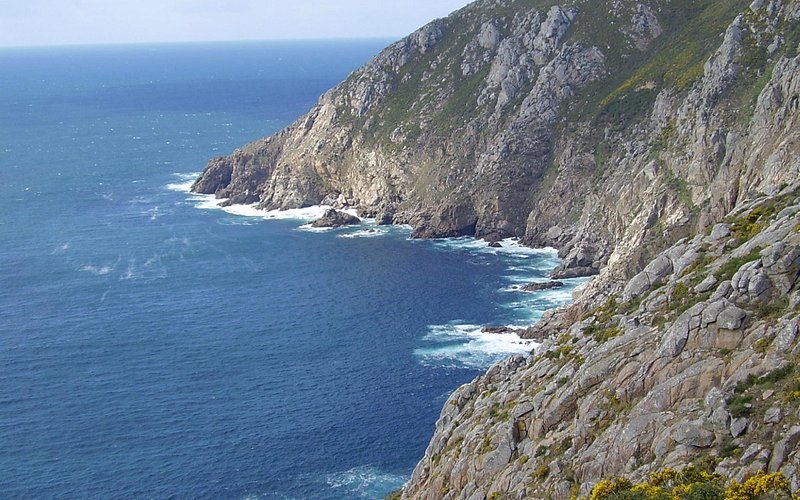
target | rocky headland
x=656, y=144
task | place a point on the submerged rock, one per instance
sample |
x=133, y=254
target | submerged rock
x=538, y=287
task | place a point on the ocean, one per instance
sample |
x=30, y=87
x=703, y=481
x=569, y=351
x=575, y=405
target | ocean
x=154, y=345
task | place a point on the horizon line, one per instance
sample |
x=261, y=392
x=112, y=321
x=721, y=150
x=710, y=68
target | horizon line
x=201, y=42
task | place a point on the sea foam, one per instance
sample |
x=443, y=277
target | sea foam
x=460, y=345
x=365, y=482
x=210, y=202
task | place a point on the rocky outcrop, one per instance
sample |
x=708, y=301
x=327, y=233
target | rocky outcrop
x=682, y=371
x=538, y=287
x=335, y=218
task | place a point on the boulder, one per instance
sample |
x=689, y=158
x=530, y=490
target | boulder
x=538, y=287
x=335, y=218
x=498, y=329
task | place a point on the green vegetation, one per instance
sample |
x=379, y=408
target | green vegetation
x=741, y=404
x=602, y=334
x=748, y=225
x=693, y=483
x=675, y=59
x=486, y=445
x=664, y=139
x=497, y=413
x=679, y=186
x=564, y=354
x=728, y=269
x=729, y=449
x=541, y=472
x=772, y=309
x=683, y=298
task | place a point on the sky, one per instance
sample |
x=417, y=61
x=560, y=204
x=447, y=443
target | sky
x=67, y=22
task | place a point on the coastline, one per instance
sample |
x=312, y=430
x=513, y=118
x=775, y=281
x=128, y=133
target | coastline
x=469, y=344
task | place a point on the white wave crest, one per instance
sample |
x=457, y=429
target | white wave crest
x=508, y=246
x=364, y=233
x=184, y=182
x=460, y=345
x=97, y=270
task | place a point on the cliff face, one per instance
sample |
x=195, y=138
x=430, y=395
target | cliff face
x=696, y=361
x=621, y=133
x=604, y=129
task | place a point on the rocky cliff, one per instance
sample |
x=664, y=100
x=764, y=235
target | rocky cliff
x=696, y=361
x=619, y=132
x=606, y=129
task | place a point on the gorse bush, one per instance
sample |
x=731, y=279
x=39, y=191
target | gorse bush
x=693, y=483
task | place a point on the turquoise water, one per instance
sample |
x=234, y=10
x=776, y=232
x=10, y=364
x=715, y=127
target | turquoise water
x=154, y=345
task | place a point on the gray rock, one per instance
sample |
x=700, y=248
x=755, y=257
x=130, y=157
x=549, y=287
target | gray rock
x=738, y=426
x=720, y=231
x=773, y=254
x=335, y=218
x=489, y=37
x=723, y=290
x=695, y=435
x=721, y=419
x=659, y=268
x=712, y=312
x=731, y=318
x=773, y=415
x=783, y=448
x=707, y=284
x=539, y=286
x=554, y=233
x=759, y=287
x=750, y=453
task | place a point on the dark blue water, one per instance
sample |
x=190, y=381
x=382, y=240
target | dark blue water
x=154, y=346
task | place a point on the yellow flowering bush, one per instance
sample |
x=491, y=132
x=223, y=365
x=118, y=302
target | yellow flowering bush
x=772, y=486
x=692, y=483
x=608, y=487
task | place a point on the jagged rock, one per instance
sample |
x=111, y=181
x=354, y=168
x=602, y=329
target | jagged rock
x=216, y=177
x=498, y=329
x=650, y=276
x=773, y=415
x=720, y=231
x=694, y=435
x=335, y=218
x=738, y=426
x=574, y=272
x=731, y=318
x=707, y=284
x=782, y=449
x=750, y=453
x=537, y=287
x=450, y=220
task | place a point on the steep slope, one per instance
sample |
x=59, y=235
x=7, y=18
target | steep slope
x=591, y=126
x=696, y=361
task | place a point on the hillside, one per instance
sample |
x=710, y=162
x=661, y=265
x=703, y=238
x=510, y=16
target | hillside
x=697, y=362
x=622, y=133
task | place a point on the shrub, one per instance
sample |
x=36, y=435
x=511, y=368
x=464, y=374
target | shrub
x=693, y=484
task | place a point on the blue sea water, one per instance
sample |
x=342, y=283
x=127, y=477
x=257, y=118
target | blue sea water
x=153, y=345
